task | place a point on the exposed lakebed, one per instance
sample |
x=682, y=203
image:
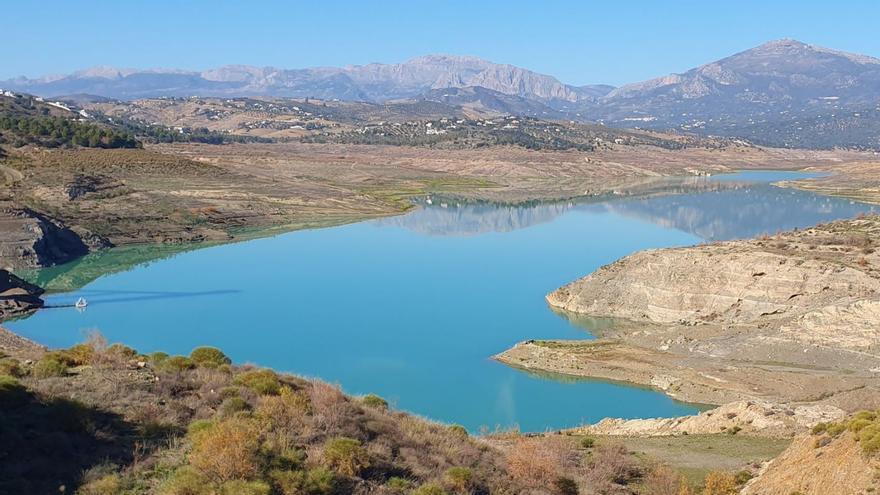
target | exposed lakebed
x=412, y=307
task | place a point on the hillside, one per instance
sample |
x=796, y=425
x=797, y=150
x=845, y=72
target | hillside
x=837, y=457
x=99, y=419
x=26, y=120
x=782, y=93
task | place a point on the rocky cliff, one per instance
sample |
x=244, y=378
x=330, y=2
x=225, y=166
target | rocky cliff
x=17, y=297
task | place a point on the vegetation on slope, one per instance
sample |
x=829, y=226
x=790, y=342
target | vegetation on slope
x=24, y=120
x=98, y=420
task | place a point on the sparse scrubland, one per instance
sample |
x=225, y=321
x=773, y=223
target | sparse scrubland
x=99, y=419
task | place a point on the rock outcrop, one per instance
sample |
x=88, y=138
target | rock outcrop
x=742, y=417
x=29, y=240
x=819, y=287
x=17, y=297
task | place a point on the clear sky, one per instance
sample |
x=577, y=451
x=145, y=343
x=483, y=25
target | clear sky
x=579, y=42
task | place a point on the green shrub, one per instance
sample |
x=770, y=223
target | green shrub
x=12, y=393
x=186, y=481
x=11, y=367
x=320, y=481
x=288, y=482
x=233, y=405
x=459, y=430
x=81, y=354
x=198, y=426
x=398, y=485
x=209, y=357
x=373, y=400
x=429, y=489
x=241, y=487
x=819, y=428
x=565, y=486
x=50, y=366
x=176, y=364
x=105, y=485
x=587, y=442
x=865, y=415
x=459, y=478
x=346, y=456
x=856, y=425
x=835, y=429
x=263, y=382
x=743, y=476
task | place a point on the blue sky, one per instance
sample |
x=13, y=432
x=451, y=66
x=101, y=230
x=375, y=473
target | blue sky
x=578, y=42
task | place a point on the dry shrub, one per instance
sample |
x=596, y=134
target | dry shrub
x=609, y=465
x=538, y=461
x=328, y=405
x=227, y=450
x=663, y=480
x=720, y=483
x=286, y=412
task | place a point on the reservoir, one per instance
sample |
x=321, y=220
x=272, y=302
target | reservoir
x=413, y=307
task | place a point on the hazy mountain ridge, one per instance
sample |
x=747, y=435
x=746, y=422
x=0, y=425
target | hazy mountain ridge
x=372, y=82
x=784, y=92
x=781, y=93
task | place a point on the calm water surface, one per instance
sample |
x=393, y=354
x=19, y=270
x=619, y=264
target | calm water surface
x=412, y=307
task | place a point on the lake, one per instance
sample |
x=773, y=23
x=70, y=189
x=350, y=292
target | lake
x=413, y=307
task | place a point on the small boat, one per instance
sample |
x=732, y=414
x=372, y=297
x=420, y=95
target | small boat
x=81, y=303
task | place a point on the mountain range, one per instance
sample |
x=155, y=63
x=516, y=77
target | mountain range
x=784, y=93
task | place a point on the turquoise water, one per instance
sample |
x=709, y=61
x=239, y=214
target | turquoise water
x=412, y=307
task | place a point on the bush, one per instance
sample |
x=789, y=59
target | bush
x=720, y=483
x=186, y=481
x=429, y=489
x=568, y=486
x=320, y=481
x=819, y=428
x=209, y=357
x=526, y=463
x=459, y=479
x=198, y=426
x=373, y=400
x=459, y=430
x=12, y=393
x=50, y=366
x=663, y=480
x=157, y=357
x=241, y=487
x=346, y=456
x=81, y=354
x=396, y=484
x=227, y=450
x=263, y=382
x=121, y=351
x=286, y=411
x=587, y=442
x=11, y=367
x=233, y=405
x=176, y=364
x=105, y=485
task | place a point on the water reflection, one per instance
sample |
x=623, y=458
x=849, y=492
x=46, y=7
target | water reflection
x=715, y=208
